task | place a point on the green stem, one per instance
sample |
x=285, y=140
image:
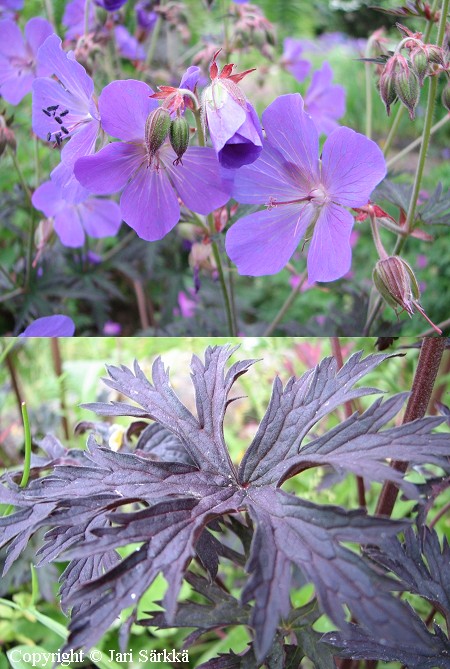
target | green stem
x=20, y=175
x=153, y=42
x=27, y=461
x=377, y=239
x=34, y=585
x=286, y=306
x=417, y=142
x=7, y=349
x=230, y=316
x=86, y=17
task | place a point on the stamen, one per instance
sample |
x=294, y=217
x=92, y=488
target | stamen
x=58, y=120
x=52, y=108
x=67, y=132
x=64, y=113
x=47, y=113
x=49, y=136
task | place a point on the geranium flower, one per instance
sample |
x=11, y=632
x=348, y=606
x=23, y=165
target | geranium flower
x=145, y=16
x=151, y=182
x=299, y=67
x=233, y=124
x=64, y=110
x=50, y=326
x=74, y=18
x=110, y=5
x=19, y=62
x=303, y=198
x=325, y=101
x=73, y=220
x=127, y=45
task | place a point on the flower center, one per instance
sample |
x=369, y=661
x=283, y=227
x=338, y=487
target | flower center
x=64, y=126
x=317, y=196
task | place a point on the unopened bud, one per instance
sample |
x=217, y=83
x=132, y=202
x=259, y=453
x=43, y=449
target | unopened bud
x=386, y=86
x=179, y=137
x=157, y=128
x=435, y=54
x=396, y=283
x=7, y=137
x=408, y=89
x=446, y=97
x=420, y=64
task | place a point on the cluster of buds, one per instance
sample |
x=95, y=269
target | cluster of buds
x=7, y=137
x=252, y=29
x=402, y=78
x=395, y=281
x=160, y=125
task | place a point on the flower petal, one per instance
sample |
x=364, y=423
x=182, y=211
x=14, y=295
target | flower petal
x=47, y=198
x=224, y=115
x=48, y=92
x=71, y=74
x=36, y=32
x=198, y=180
x=82, y=143
x=330, y=253
x=108, y=170
x=70, y=190
x=291, y=130
x=352, y=165
x=11, y=43
x=124, y=107
x=263, y=242
x=50, y=326
x=149, y=204
x=100, y=218
x=14, y=83
x=271, y=176
x=68, y=227
x=325, y=101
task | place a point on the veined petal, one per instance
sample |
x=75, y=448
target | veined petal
x=263, y=242
x=352, y=165
x=291, y=130
x=11, y=43
x=100, y=218
x=330, y=253
x=48, y=92
x=14, y=84
x=124, y=107
x=224, y=115
x=36, y=32
x=67, y=225
x=269, y=176
x=149, y=204
x=108, y=170
x=82, y=143
x=198, y=180
x=325, y=101
x=71, y=74
x=70, y=189
x=47, y=198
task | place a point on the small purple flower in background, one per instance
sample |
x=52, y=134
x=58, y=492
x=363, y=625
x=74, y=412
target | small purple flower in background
x=110, y=5
x=74, y=18
x=127, y=45
x=50, y=326
x=8, y=8
x=64, y=109
x=145, y=16
x=72, y=221
x=20, y=63
x=151, y=182
x=293, y=62
x=324, y=101
x=187, y=304
x=112, y=329
x=233, y=124
x=302, y=198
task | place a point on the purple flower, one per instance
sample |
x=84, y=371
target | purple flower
x=64, y=109
x=151, y=182
x=292, y=61
x=110, y=5
x=304, y=198
x=127, y=45
x=325, y=101
x=73, y=18
x=50, y=326
x=9, y=7
x=233, y=124
x=112, y=329
x=19, y=62
x=146, y=17
x=72, y=221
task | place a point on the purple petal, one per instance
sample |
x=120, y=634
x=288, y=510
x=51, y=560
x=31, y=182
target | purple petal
x=224, y=115
x=198, y=180
x=271, y=176
x=296, y=65
x=108, y=170
x=71, y=191
x=100, y=218
x=110, y=5
x=82, y=143
x=124, y=107
x=127, y=45
x=36, y=32
x=352, y=165
x=68, y=227
x=330, y=253
x=263, y=242
x=48, y=92
x=71, y=74
x=325, y=101
x=73, y=18
x=190, y=78
x=293, y=133
x=14, y=83
x=50, y=326
x=11, y=42
x=149, y=204
x=246, y=144
x=47, y=198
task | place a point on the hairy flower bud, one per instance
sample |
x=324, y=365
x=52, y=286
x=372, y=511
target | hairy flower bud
x=446, y=97
x=7, y=136
x=407, y=89
x=435, y=54
x=179, y=137
x=386, y=85
x=396, y=283
x=419, y=62
x=157, y=128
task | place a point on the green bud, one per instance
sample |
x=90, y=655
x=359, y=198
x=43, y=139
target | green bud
x=387, y=90
x=420, y=64
x=446, y=97
x=179, y=137
x=396, y=283
x=157, y=128
x=408, y=89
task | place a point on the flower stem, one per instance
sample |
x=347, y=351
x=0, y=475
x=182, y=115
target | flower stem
x=86, y=17
x=153, y=42
x=417, y=142
x=27, y=460
x=377, y=239
x=286, y=306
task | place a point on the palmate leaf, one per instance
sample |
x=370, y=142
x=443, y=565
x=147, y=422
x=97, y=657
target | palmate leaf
x=111, y=499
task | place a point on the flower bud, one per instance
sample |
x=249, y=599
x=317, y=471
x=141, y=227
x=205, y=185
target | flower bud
x=407, y=89
x=435, y=54
x=419, y=62
x=7, y=137
x=157, y=128
x=179, y=137
x=386, y=85
x=446, y=97
x=396, y=283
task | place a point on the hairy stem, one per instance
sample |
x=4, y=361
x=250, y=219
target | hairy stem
x=427, y=369
x=58, y=368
